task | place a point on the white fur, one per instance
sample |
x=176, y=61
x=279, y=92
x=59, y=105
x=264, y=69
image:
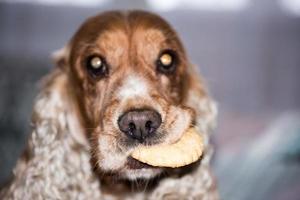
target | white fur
x=61, y=53
x=53, y=169
x=183, y=120
x=141, y=173
x=206, y=109
x=133, y=86
x=115, y=160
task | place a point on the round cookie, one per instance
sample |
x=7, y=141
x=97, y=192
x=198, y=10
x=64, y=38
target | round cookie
x=186, y=150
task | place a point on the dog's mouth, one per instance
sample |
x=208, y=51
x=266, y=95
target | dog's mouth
x=135, y=164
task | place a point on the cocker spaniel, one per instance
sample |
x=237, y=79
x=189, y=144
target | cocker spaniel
x=123, y=80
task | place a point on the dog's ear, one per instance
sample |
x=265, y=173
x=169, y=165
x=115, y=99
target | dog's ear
x=61, y=57
x=198, y=98
x=56, y=104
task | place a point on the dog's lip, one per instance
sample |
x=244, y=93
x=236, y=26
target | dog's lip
x=135, y=164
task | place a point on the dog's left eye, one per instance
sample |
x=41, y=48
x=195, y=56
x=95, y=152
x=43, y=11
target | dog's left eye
x=167, y=62
x=96, y=66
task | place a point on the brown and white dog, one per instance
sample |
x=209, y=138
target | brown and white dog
x=123, y=79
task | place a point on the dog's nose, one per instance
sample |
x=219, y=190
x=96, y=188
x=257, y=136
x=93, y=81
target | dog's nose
x=139, y=124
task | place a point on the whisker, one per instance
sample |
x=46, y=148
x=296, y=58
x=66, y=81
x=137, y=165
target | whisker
x=146, y=185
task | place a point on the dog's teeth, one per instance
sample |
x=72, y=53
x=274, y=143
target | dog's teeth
x=184, y=152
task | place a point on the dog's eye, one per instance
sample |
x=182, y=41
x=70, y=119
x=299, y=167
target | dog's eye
x=166, y=62
x=96, y=66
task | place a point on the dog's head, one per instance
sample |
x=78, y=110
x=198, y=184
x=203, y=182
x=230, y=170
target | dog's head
x=129, y=73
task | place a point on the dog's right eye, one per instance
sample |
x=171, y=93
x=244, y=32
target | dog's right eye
x=97, y=66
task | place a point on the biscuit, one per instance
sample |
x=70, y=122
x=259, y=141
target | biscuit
x=185, y=151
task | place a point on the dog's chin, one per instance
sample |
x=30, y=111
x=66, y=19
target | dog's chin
x=135, y=169
x=134, y=174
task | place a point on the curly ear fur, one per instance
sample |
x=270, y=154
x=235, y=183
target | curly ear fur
x=55, y=164
x=59, y=83
x=199, y=99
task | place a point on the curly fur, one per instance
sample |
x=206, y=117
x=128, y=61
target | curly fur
x=56, y=163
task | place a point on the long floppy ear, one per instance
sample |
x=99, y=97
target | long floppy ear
x=56, y=100
x=57, y=104
x=199, y=99
x=56, y=136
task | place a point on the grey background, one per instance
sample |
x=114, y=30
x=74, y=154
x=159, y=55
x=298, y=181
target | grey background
x=249, y=58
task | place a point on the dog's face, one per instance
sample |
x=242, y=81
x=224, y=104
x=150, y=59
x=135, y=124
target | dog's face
x=129, y=74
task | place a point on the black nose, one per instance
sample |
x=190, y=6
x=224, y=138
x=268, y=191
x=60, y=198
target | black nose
x=139, y=124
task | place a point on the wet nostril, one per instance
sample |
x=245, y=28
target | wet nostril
x=148, y=124
x=131, y=126
x=149, y=127
x=139, y=124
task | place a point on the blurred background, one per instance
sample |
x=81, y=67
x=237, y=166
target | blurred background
x=247, y=50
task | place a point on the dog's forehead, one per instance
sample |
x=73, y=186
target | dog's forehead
x=117, y=27
x=140, y=44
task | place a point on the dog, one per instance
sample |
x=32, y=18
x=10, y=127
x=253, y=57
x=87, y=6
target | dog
x=123, y=80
